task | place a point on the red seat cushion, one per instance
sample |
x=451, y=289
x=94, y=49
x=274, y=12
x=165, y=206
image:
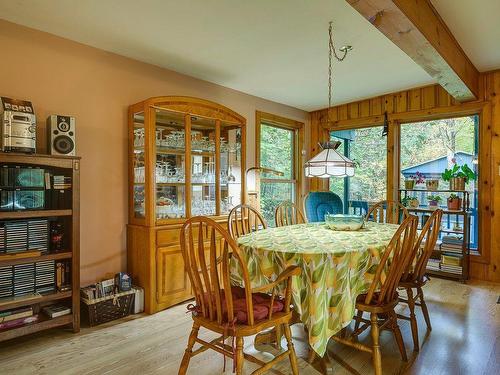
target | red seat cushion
x=261, y=304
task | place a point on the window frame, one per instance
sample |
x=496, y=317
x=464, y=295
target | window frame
x=264, y=118
x=481, y=109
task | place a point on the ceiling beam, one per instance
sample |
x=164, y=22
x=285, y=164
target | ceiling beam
x=417, y=29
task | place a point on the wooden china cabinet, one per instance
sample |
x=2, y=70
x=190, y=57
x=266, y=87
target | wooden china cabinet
x=186, y=158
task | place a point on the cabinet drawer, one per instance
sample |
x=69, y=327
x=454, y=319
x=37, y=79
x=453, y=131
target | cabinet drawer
x=166, y=237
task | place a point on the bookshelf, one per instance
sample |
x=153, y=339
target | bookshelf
x=64, y=213
x=451, y=256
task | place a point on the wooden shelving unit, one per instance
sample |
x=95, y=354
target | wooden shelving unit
x=69, y=166
x=437, y=265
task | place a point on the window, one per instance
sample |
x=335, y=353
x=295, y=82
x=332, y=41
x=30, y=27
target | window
x=429, y=148
x=368, y=149
x=278, y=150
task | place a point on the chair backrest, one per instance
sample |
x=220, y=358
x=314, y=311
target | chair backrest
x=393, y=263
x=424, y=246
x=387, y=212
x=207, y=266
x=287, y=213
x=244, y=219
x=319, y=203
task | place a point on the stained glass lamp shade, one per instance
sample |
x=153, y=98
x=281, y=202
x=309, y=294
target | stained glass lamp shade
x=329, y=163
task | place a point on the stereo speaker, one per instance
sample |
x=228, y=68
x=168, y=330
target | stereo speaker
x=61, y=135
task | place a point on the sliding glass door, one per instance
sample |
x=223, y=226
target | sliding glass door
x=368, y=149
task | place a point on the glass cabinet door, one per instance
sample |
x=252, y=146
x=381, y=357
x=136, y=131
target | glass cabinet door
x=230, y=169
x=203, y=165
x=139, y=173
x=170, y=164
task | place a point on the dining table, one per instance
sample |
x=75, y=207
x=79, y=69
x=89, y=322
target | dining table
x=336, y=267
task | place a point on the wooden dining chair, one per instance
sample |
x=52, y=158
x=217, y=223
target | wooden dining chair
x=287, y=213
x=244, y=219
x=227, y=310
x=387, y=212
x=414, y=276
x=382, y=295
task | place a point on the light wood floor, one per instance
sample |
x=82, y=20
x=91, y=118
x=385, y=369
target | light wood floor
x=465, y=340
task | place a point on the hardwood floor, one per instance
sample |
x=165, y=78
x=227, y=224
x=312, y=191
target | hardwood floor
x=465, y=340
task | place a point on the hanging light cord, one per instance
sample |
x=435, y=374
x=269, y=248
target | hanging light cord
x=332, y=52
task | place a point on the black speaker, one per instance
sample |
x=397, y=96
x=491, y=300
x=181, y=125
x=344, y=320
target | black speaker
x=61, y=135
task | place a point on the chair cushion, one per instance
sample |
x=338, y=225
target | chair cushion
x=261, y=304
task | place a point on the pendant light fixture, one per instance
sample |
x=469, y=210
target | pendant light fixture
x=329, y=162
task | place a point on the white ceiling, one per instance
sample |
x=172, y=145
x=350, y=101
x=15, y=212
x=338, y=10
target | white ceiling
x=274, y=49
x=475, y=25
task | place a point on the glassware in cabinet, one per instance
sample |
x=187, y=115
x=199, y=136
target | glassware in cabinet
x=203, y=166
x=230, y=170
x=170, y=176
x=139, y=171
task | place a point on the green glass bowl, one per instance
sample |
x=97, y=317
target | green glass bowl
x=344, y=222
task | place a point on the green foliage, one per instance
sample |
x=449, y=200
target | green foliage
x=458, y=171
x=434, y=198
x=453, y=196
x=276, y=152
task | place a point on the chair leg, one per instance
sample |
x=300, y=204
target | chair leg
x=279, y=335
x=413, y=319
x=357, y=321
x=424, y=308
x=292, y=355
x=189, y=350
x=239, y=355
x=377, y=357
x=397, y=335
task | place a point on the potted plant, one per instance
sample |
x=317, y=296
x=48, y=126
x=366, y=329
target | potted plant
x=458, y=176
x=409, y=183
x=419, y=178
x=433, y=201
x=454, y=202
x=410, y=202
x=432, y=184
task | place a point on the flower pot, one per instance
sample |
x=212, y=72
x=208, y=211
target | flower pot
x=414, y=203
x=432, y=184
x=433, y=205
x=454, y=204
x=457, y=183
x=409, y=184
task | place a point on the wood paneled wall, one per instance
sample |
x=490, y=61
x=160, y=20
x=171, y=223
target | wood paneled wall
x=425, y=103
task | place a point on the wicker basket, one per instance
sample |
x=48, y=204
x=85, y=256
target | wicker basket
x=106, y=309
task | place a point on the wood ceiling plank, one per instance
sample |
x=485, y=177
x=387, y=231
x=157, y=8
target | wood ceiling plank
x=418, y=30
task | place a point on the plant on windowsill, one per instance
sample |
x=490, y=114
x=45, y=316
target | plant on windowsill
x=459, y=176
x=410, y=183
x=434, y=201
x=454, y=202
x=419, y=180
x=410, y=202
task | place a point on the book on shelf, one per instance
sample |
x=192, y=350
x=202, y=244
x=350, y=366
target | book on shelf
x=54, y=311
x=7, y=316
x=19, y=322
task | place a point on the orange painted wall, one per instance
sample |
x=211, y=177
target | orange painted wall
x=63, y=77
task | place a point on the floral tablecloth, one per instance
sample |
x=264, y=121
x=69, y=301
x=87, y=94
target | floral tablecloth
x=336, y=268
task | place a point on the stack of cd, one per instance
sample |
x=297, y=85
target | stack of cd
x=45, y=277
x=24, y=235
x=24, y=279
x=16, y=233
x=6, y=282
x=38, y=235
